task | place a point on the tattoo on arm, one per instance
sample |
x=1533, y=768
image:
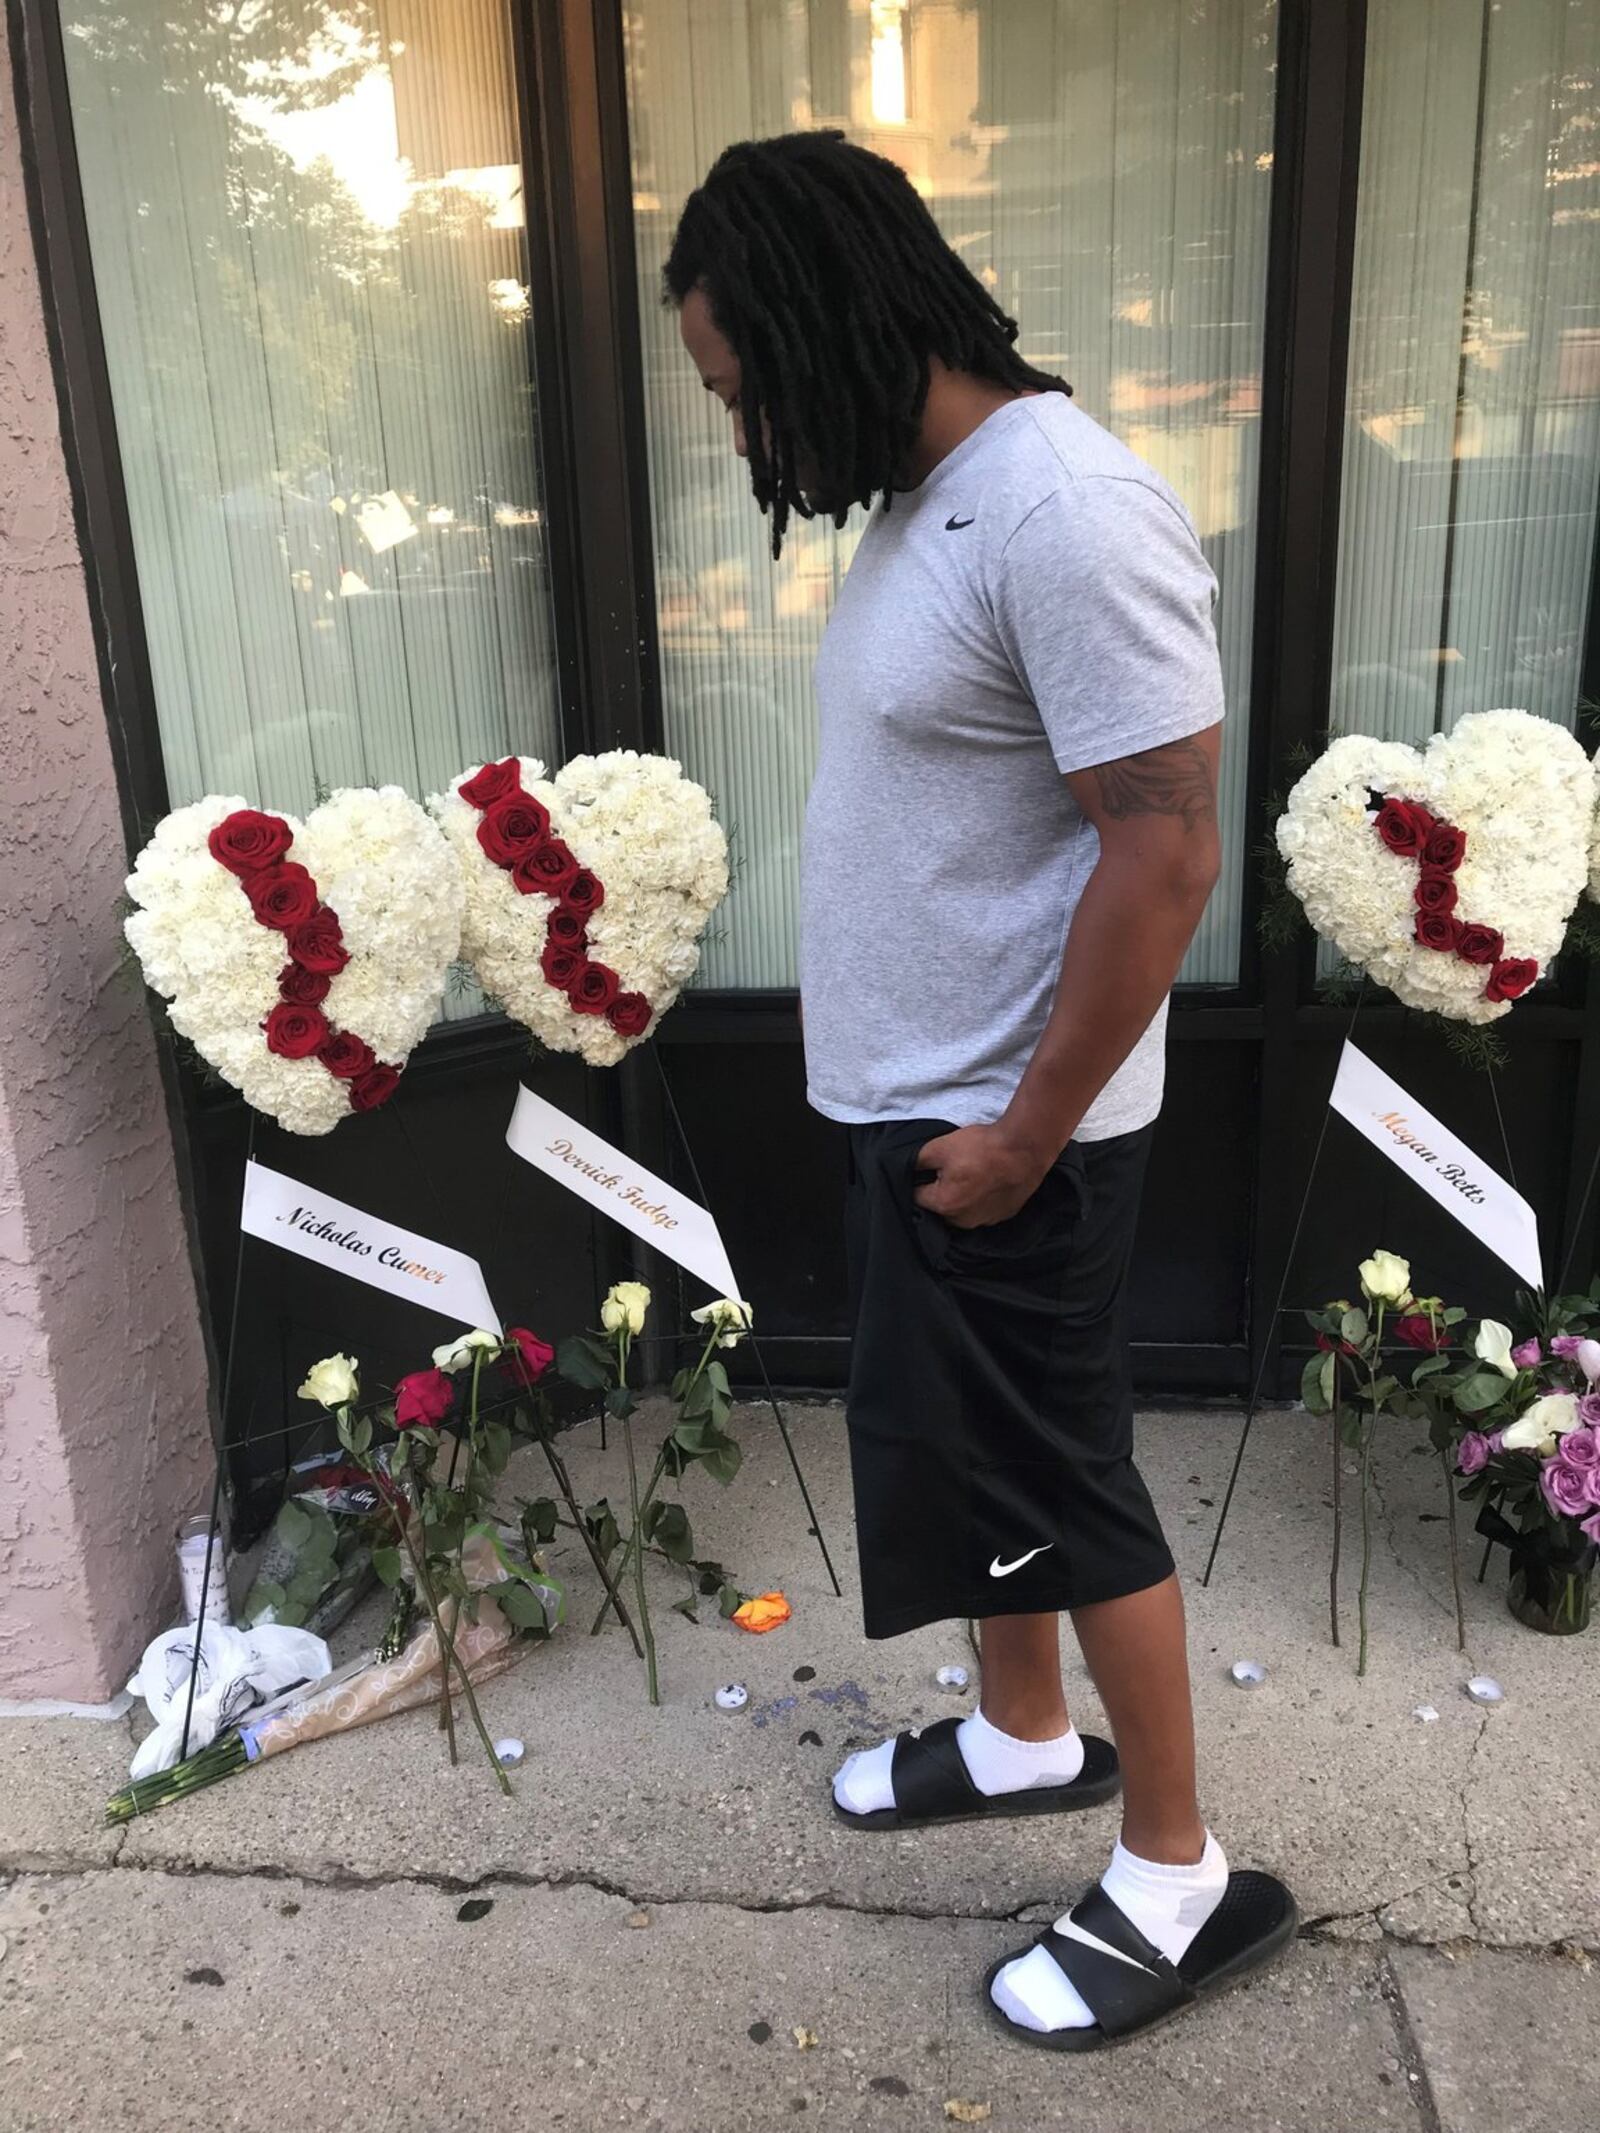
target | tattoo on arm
x=1175, y=780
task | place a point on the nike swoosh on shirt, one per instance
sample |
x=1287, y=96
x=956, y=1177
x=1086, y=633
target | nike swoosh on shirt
x=956, y=525
x=997, y=1569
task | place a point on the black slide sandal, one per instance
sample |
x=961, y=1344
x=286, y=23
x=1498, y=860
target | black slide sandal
x=1255, y=1921
x=932, y=1785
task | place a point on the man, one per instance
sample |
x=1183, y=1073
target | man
x=1009, y=843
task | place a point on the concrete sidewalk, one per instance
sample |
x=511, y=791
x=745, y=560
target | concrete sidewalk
x=670, y=1900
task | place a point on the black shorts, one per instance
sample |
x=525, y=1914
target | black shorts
x=990, y=1410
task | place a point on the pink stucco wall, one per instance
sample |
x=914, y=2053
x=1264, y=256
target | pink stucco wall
x=103, y=1379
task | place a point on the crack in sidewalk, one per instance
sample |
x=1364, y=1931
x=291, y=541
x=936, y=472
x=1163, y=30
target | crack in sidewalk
x=1313, y=1930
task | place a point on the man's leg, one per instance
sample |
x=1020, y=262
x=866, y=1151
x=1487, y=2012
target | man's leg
x=1168, y=1873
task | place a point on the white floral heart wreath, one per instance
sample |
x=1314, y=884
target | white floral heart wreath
x=1448, y=873
x=303, y=960
x=586, y=893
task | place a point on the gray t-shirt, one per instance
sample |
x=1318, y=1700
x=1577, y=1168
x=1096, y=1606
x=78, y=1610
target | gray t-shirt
x=1039, y=605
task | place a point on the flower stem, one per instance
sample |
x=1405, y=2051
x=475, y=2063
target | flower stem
x=1455, y=1551
x=635, y=1535
x=447, y=1648
x=1366, y=1534
x=1338, y=1505
x=1374, y=1358
x=628, y=1549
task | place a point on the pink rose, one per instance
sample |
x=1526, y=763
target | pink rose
x=1566, y=1345
x=1526, y=1355
x=1566, y=1488
x=1472, y=1453
x=1581, y=1446
x=1590, y=1529
x=422, y=1400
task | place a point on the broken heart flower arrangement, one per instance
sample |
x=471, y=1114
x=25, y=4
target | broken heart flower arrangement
x=303, y=960
x=586, y=893
x=1447, y=873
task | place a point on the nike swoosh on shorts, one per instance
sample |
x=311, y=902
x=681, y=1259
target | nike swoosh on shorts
x=997, y=1569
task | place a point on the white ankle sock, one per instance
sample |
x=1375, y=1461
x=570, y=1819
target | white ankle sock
x=1169, y=1905
x=995, y=1763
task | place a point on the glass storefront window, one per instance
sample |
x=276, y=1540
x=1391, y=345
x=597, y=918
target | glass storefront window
x=1472, y=431
x=308, y=237
x=1106, y=166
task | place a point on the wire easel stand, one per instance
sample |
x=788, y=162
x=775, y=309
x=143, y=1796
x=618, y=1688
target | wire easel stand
x=1268, y=1345
x=755, y=1345
x=216, y=1486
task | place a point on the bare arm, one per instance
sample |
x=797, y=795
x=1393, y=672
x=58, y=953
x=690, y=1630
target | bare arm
x=1156, y=815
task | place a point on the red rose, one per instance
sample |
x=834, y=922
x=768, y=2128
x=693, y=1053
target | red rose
x=495, y=781
x=562, y=966
x=512, y=827
x=295, y=1032
x=537, y=1355
x=1437, y=929
x=246, y=841
x=1481, y=944
x=583, y=893
x=423, y=1400
x=566, y=929
x=593, y=991
x=347, y=1057
x=629, y=1014
x=1418, y=1331
x=281, y=896
x=547, y=868
x=1404, y=826
x=374, y=1087
x=318, y=945
x=1330, y=1346
x=305, y=988
x=1435, y=891
x=1446, y=847
x=1510, y=979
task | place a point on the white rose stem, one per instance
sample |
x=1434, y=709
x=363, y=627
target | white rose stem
x=557, y=1465
x=634, y=1540
x=755, y=1345
x=1277, y=1311
x=216, y=1486
x=1577, y=1232
x=1370, y=1431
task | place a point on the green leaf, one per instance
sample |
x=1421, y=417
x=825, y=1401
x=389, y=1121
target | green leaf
x=1477, y=1394
x=719, y=1379
x=601, y=1521
x=387, y=1563
x=293, y=1525
x=1353, y=1327
x=520, y=1604
x=729, y=1600
x=494, y=1445
x=619, y=1402
x=1317, y=1402
x=697, y=1400
x=1328, y=1380
x=540, y=1517
x=722, y=1460
x=585, y=1362
x=686, y=1608
x=667, y=1526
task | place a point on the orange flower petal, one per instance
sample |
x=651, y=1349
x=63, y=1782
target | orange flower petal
x=766, y=1611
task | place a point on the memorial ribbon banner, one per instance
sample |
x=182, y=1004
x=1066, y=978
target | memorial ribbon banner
x=679, y=1228
x=1445, y=1167
x=280, y=1210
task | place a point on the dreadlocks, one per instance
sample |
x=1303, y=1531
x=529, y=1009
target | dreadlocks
x=831, y=281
